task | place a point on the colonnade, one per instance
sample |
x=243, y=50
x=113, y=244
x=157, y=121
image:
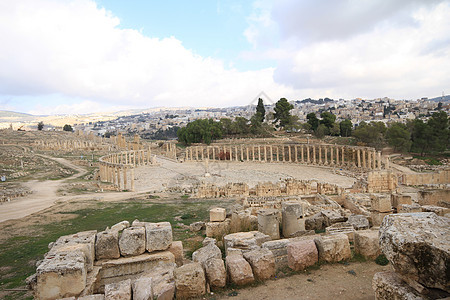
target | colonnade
x=113, y=165
x=71, y=144
x=315, y=154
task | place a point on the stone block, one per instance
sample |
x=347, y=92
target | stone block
x=217, y=214
x=61, y=275
x=315, y=222
x=333, y=248
x=332, y=216
x=418, y=247
x=292, y=220
x=120, y=226
x=190, y=281
x=197, y=226
x=142, y=288
x=398, y=199
x=241, y=221
x=389, y=285
x=163, y=283
x=377, y=217
x=239, y=270
x=176, y=248
x=158, y=235
x=359, y=222
x=380, y=202
x=118, y=291
x=407, y=208
x=107, y=245
x=268, y=223
x=217, y=230
x=203, y=254
x=262, y=262
x=342, y=228
x=216, y=274
x=245, y=241
x=279, y=250
x=302, y=254
x=209, y=240
x=133, y=267
x=440, y=211
x=367, y=243
x=132, y=241
x=92, y=297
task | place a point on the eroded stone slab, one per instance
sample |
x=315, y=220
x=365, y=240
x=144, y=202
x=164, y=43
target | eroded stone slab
x=159, y=236
x=190, y=281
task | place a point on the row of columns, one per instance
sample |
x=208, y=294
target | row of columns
x=367, y=158
x=113, y=165
x=67, y=144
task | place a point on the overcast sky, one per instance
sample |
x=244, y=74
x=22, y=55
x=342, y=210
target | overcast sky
x=81, y=56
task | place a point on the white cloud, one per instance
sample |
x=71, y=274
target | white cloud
x=76, y=49
x=363, y=48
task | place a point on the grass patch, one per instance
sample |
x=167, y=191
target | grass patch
x=381, y=260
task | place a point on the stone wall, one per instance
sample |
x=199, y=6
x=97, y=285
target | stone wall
x=381, y=181
x=441, y=177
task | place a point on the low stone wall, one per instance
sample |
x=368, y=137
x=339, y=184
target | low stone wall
x=441, y=177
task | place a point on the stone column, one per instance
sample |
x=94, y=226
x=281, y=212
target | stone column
x=320, y=154
x=331, y=155
x=202, y=149
x=374, y=159
x=125, y=183
x=364, y=158
x=259, y=152
x=246, y=149
x=387, y=166
x=213, y=152
x=253, y=152
x=242, y=153
x=290, y=153
x=292, y=220
x=265, y=153
x=296, y=153
x=343, y=156
x=118, y=178
x=236, y=153
x=132, y=179
x=358, y=155
x=308, y=161
x=326, y=154
x=268, y=223
x=278, y=153
x=134, y=158
x=369, y=159
x=303, y=157
x=314, y=154
x=379, y=160
x=271, y=153
x=337, y=155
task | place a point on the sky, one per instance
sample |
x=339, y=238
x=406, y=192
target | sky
x=85, y=56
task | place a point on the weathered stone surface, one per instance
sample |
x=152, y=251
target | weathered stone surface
x=176, y=248
x=418, y=246
x=217, y=214
x=342, y=228
x=359, y=222
x=302, y=254
x=398, y=199
x=137, y=223
x=132, y=241
x=217, y=230
x=367, y=243
x=142, y=288
x=107, y=245
x=389, y=285
x=205, y=253
x=118, y=291
x=215, y=272
x=209, y=240
x=158, y=235
x=292, y=218
x=381, y=202
x=440, y=211
x=268, y=223
x=262, y=262
x=409, y=208
x=239, y=270
x=120, y=226
x=190, y=281
x=197, y=226
x=61, y=275
x=86, y=238
x=332, y=216
x=245, y=241
x=377, y=217
x=279, y=250
x=241, y=221
x=92, y=297
x=133, y=267
x=333, y=248
x=315, y=222
x=163, y=283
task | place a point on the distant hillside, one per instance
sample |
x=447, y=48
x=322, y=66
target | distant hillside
x=437, y=99
x=13, y=114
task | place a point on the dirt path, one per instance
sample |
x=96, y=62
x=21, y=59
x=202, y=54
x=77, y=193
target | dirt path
x=43, y=196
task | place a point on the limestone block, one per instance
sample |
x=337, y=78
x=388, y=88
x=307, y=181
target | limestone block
x=176, y=248
x=440, y=211
x=163, y=283
x=333, y=248
x=359, y=222
x=377, y=217
x=215, y=272
x=217, y=229
x=92, y=297
x=158, y=235
x=107, y=245
x=302, y=254
x=61, y=275
x=203, y=254
x=87, y=238
x=380, y=202
x=332, y=216
x=316, y=222
x=240, y=221
x=137, y=223
x=118, y=291
x=292, y=218
x=407, y=208
x=398, y=199
x=418, y=246
x=132, y=267
x=190, y=281
x=279, y=250
x=389, y=285
x=262, y=262
x=245, y=241
x=120, y=226
x=132, y=241
x=239, y=270
x=367, y=243
x=268, y=223
x=142, y=288
x=196, y=226
x=342, y=228
x=217, y=214
x=209, y=240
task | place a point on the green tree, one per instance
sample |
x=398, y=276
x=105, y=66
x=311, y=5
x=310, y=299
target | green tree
x=438, y=124
x=282, y=112
x=399, y=137
x=371, y=134
x=321, y=131
x=327, y=119
x=346, y=128
x=260, y=110
x=40, y=125
x=67, y=127
x=335, y=130
x=313, y=121
x=200, y=131
x=226, y=125
x=420, y=136
x=240, y=126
